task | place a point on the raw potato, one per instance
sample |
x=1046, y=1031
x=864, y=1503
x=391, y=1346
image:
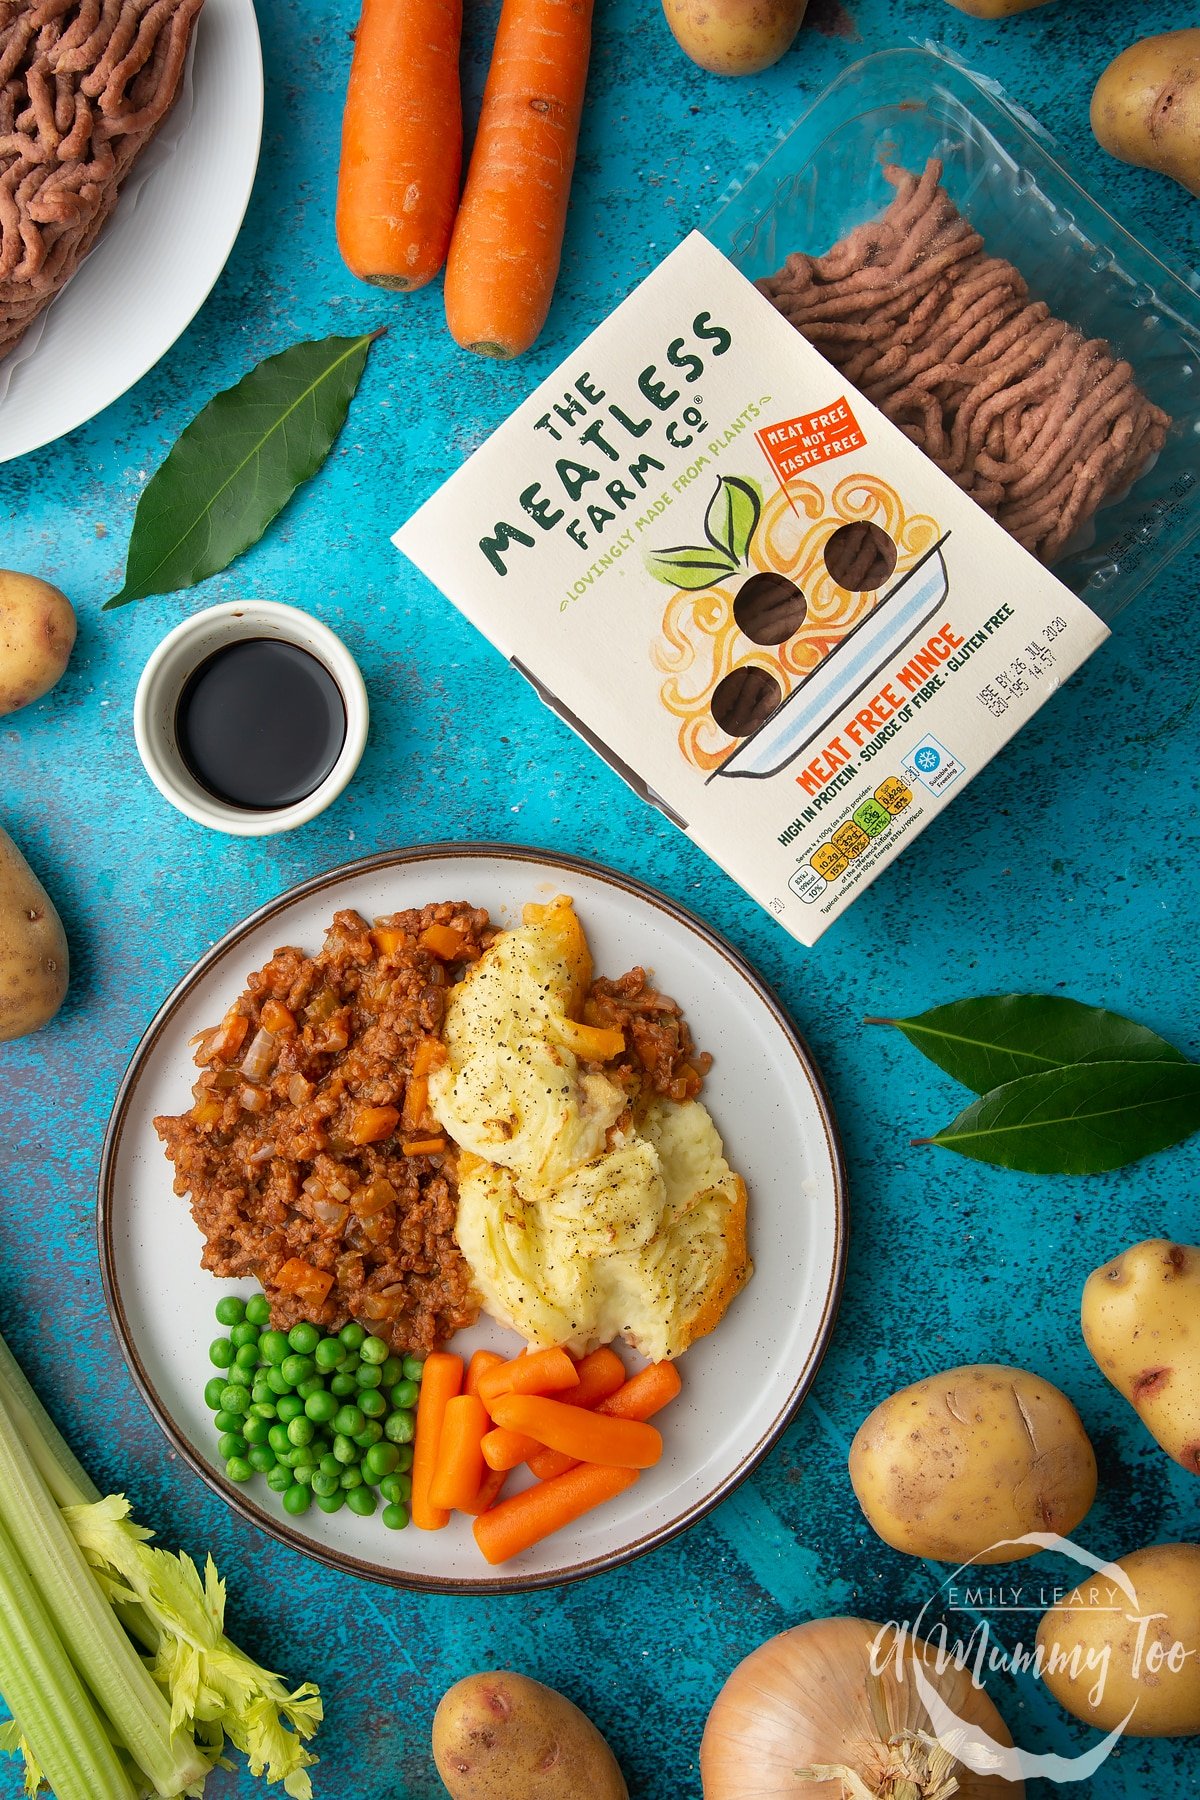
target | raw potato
x=996, y=9
x=734, y=37
x=1146, y=106
x=957, y=1464
x=1130, y=1658
x=37, y=631
x=33, y=948
x=501, y=1736
x=1141, y=1322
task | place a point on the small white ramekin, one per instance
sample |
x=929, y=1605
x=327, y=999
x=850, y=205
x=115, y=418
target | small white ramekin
x=162, y=682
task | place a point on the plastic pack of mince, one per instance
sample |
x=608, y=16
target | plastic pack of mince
x=737, y=573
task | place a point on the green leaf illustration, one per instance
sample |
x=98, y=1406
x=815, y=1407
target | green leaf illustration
x=691, y=566
x=238, y=463
x=733, y=515
x=999, y=1037
x=1079, y=1120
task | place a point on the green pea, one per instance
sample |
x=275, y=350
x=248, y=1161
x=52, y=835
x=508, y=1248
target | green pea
x=342, y=1384
x=247, y=1357
x=290, y=1407
x=329, y=1464
x=264, y=1409
x=414, y=1368
x=279, y=1479
x=397, y=1489
x=322, y=1483
x=372, y=1403
x=276, y=1382
x=405, y=1394
x=361, y=1500
x=349, y=1421
x=314, y=1385
x=303, y=1473
x=238, y=1469
x=395, y=1517
x=212, y=1393
x=392, y=1371
x=288, y=1457
x=278, y=1439
x=328, y=1354
x=243, y=1335
x=227, y=1421
x=351, y=1478
x=380, y=1460
x=320, y=1406
x=263, y=1394
x=304, y=1337
x=400, y=1428
x=258, y=1310
x=368, y=1375
x=231, y=1443
x=261, y=1458
x=345, y=1449
x=322, y=1445
x=220, y=1353
x=370, y=1434
x=352, y=1335
x=236, y=1376
x=374, y=1350
x=296, y=1500
x=235, y=1400
x=331, y=1503
x=274, y=1346
x=230, y=1310
x=256, y=1430
x=296, y=1369
x=301, y=1430
x=406, y=1458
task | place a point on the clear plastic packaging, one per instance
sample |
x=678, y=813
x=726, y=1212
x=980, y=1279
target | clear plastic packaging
x=826, y=176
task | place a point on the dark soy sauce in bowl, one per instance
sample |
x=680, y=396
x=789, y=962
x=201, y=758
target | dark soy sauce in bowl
x=260, y=724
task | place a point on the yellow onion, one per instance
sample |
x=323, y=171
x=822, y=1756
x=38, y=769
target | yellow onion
x=808, y=1709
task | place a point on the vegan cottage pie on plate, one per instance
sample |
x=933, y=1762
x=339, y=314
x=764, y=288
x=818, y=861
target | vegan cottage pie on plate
x=431, y=1116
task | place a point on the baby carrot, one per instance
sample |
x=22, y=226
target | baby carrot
x=541, y=1372
x=489, y=1491
x=440, y=1382
x=641, y=1397
x=401, y=142
x=526, y=1518
x=481, y=1364
x=600, y=1374
x=459, y=1467
x=507, y=241
x=503, y=1450
x=617, y=1443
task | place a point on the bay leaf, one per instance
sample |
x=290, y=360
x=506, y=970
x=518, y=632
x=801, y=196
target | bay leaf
x=238, y=463
x=689, y=566
x=996, y=1038
x=1079, y=1120
x=732, y=516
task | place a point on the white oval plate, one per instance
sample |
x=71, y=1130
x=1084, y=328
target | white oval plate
x=741, y=1386
x=159, y=258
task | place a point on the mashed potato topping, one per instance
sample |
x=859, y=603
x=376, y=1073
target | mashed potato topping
x=581, y=1220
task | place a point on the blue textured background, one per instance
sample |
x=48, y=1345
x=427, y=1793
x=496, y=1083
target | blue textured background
x=1071, y=865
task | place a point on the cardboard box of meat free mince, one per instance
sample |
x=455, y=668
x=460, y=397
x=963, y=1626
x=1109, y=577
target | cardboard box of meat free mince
x=745, y=588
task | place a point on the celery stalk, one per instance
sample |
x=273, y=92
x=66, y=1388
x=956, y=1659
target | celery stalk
x=57, y=1463
x=99, y=1647
x=39, y=1681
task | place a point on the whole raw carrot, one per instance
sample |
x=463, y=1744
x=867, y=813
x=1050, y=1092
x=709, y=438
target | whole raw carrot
x=459, y=1468
x=507, y=241
x=401, y=142
x=525, y=1519
x=618, y=1443
x=440, y=1382
x=541, y=1372
x=641, y=1397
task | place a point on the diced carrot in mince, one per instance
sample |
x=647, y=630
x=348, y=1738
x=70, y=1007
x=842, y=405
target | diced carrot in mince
x=300, y=1278
x=443, y=941
x=371, y=1124
x=276, y=1017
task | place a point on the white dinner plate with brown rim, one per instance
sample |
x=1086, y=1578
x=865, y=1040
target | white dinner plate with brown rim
x=742, y=1385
